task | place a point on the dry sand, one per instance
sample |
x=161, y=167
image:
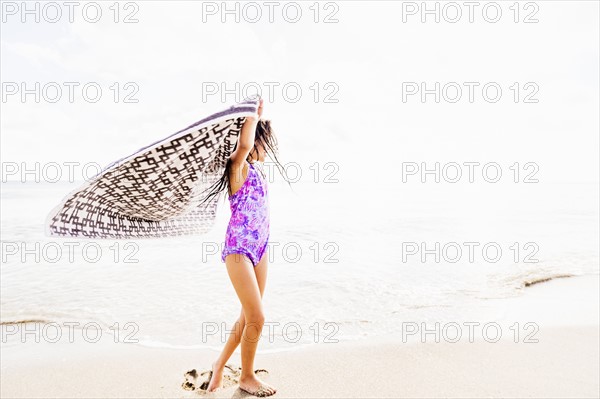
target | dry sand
x=564, y=363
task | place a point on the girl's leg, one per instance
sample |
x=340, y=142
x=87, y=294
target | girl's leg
x=218, y=367
x=234, y=339
x=245, y=279
x=260, y=270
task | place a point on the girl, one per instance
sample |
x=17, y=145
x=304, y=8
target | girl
x=245, y=247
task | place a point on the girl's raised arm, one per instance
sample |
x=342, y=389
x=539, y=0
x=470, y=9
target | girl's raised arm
x=246, y=140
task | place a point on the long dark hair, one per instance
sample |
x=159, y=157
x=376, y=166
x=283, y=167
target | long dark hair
x=263, y=137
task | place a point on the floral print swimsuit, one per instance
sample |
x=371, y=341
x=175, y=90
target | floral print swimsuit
x=248, y=229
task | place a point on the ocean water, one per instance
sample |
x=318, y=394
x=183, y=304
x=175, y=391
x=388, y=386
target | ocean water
x=343, y=261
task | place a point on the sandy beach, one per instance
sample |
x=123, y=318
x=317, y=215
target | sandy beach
x=562, y=363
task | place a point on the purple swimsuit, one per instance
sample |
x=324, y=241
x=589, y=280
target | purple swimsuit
x=248, y=230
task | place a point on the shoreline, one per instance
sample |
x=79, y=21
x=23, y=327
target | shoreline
x=562, y=363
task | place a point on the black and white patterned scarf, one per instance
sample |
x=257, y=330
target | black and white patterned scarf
x=156, y=191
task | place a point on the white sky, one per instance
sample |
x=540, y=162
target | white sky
x=368, y=54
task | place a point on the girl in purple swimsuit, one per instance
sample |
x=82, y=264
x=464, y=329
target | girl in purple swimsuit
x=245, y=247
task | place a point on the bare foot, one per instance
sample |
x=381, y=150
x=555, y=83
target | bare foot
x=254, y=386
x=216, y=378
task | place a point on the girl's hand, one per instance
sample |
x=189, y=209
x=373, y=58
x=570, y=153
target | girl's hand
x=260, y=108
x=259, y=111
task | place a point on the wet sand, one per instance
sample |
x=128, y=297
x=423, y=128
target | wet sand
x=563, y=363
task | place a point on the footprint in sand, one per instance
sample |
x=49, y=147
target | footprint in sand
x=194, y=381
